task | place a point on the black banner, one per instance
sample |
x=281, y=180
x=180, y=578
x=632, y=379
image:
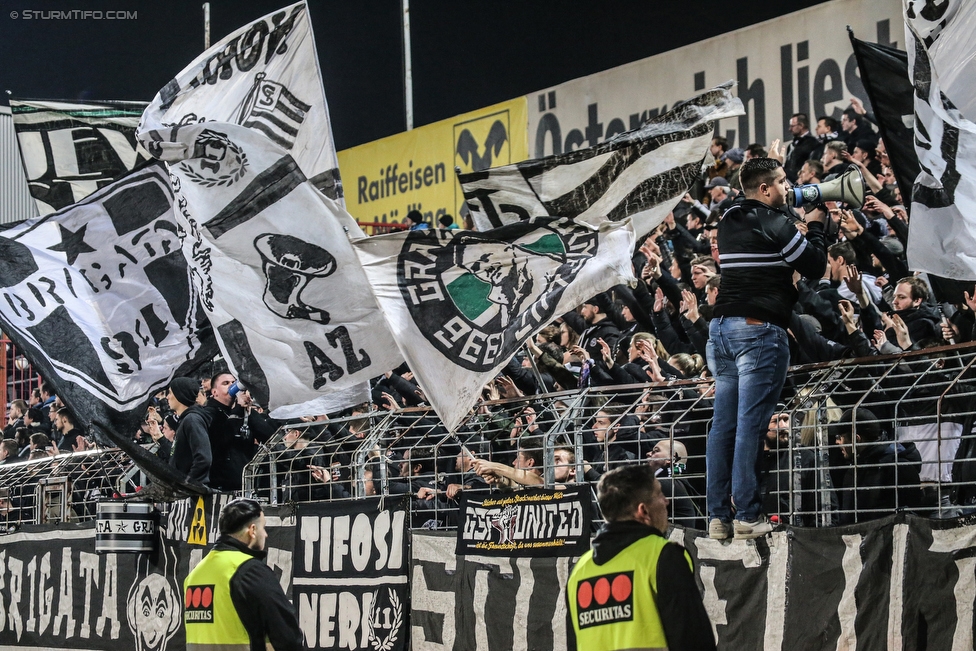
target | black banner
x=351, y=566
x=526, y=523
x=899, y=583
x=56, y=592
x=884, y=73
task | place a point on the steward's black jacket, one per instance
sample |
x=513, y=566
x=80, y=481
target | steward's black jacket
x=265, y=611
x=759, y=248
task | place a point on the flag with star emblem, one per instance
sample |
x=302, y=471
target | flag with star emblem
x=99, y=297
x=638, y=175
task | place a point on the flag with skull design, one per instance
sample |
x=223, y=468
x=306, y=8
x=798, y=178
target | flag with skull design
x=246, y=130
x=276, y=273
x=462, y=303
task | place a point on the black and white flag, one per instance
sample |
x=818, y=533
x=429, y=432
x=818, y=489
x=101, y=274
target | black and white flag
x=884, y=75
x=461, y=303
x=264, y=76
x=71, y=149
x=277, y=275
x=99, y=297
x=941, y=49
x=639, y=174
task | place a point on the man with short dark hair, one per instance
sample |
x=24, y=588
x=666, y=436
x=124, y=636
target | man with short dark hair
x=236, y=423
x=8, y=450
x=883, y=476
x=811, y=172
x=233, y=598
x=748, y=352
x=827, y=129
x=721, y=166
x=634, y=589
x=67, y=425
x=910, y=304
x=15, y=417
x=855, y=128
x=803, y=144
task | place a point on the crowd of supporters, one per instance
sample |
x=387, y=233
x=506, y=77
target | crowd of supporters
x=868, y=303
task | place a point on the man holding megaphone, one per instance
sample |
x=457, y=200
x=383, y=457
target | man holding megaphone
x=761, y=243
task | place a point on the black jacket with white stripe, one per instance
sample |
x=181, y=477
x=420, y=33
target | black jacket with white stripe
x=759, y=248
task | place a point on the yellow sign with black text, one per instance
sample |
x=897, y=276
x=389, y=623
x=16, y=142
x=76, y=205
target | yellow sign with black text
x=414, y=170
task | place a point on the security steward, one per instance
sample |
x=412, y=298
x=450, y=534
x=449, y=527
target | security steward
x=634, y=589
x=233, y=601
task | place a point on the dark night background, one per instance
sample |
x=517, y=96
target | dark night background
x=466, y=55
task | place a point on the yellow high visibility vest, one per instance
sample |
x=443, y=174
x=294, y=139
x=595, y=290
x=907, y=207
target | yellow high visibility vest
x=614, y=605
x=212, y=622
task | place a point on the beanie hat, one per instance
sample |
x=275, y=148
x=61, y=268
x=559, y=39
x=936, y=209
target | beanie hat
x=601, y=301
x=185, y=390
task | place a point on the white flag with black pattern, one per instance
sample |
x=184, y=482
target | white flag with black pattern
x=462, y=303
x=640, y=174
x=71, y=149
x=942, y=228
x=277, y=275
x=264, y=76
x=99, y=298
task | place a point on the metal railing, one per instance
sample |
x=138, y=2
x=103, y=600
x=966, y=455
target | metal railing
x=910, y=447
x=64, y=487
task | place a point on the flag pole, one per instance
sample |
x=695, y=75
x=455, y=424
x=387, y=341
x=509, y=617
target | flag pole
x=407, y=66
x=206, y=26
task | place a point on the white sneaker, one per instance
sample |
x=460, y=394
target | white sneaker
x=749, y=530
x=718, y=530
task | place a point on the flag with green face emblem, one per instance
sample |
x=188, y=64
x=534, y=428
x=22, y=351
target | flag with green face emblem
x=461, y=303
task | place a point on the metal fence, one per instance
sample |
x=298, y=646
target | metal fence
x=908, y=444
x=63, y=488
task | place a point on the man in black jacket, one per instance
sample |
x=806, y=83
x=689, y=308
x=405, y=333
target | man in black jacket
x=235, y=426
x=192, y=455
x=804, y=143
x=760, y=245
x=258, y=604
x=883, y=476
x=671, y=612
x=594, y=323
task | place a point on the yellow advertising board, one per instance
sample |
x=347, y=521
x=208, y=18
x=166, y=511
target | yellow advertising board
x=385, y=179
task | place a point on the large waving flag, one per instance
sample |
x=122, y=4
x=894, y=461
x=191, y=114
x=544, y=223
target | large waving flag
x=99, y=298
x=461, y=303
x=71, y=149
x=884, y=74
x=277, y=275
x=637, y=175
x=246, y=131
x=264, y=76
x=942, y=229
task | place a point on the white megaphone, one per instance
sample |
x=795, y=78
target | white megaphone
x=847, y=188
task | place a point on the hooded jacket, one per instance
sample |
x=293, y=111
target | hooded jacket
x=192, y=454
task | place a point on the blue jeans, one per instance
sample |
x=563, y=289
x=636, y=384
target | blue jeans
x=749, y=363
